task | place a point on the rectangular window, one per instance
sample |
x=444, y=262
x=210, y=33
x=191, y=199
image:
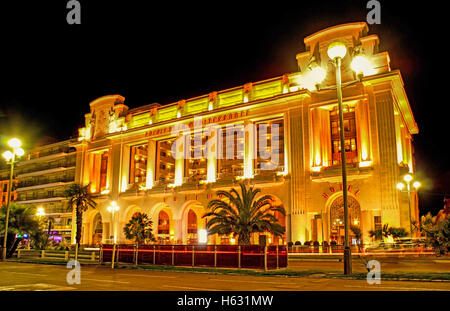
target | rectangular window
x=377, y=222
x=231, y=151
x=103, y=170
x=351, y=151
x=270, y=146
x=165, y=162
x=196, y=163
x=138, y=164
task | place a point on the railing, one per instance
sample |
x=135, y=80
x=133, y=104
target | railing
x=218, y=256
x=92, y=256
x=397, y=250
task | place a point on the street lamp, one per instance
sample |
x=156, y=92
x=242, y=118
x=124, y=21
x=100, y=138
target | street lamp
x=113, y=208
x=361, y=66
x=415, y=187
x=10, y=157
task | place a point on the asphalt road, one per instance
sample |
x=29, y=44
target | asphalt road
x=38, y=277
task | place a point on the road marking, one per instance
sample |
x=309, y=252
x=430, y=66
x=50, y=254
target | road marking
x=148, y=276
x=243, y=281
x=193, y=288
x=398, y=287
x=110, y=281
x=27, y=273
x=36, y=287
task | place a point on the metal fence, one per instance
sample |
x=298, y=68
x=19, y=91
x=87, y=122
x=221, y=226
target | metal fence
x=220, y=256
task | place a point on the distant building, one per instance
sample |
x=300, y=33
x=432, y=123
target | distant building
x=43, y=174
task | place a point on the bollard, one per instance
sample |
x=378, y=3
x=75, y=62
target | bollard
x=154, y=254
x=113, y=254
x=215, y=256
x=93, y=256
x=42, y=253
x=100, y=256
x=18, y=253
x=136, y=253
x=193, y=254
x=265, y=258
x=278, y=265
x=239, y=257
x=66, y=255
x=173, y=255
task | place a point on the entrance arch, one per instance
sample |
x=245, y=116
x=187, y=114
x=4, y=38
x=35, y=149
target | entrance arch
x=336, y=212
x=192, y=221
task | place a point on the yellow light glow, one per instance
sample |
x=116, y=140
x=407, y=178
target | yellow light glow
x=356, y=222
x=8, y=155
x=113, y=207
x=416, y=184
x=317, y=74
x=400, y=186
x=19, y=152
x=361, y=65
x=232, y=240
x=178, y=114
x=106, y=191
x=408, y=178
x=14, y=143
x=365, y=163
x=316, y=168
x=150, y=122
x=245, y=98
x=40, y=212
x=202, y=236
x=337, y=49
x=210, y=106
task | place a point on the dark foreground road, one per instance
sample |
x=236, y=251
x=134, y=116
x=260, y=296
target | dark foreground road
x=32, y=277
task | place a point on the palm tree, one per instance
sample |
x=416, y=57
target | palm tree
x=139, y=228
x=79, y=199
x=242, y=215
x=22, y=219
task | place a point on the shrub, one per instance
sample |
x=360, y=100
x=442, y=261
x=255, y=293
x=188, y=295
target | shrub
x=298, y=243
x=316, y=243
x=325, y=244
x=333, y=243
x=307, y=243
x=290, y=244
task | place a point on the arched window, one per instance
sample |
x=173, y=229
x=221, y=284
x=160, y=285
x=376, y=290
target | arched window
x=163, y=223
x=98, y=229
x=192, y=222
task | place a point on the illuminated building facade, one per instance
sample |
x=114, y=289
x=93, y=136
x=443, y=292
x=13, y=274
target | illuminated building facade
x=42, y=176
x=4, y=185
x=126, y=154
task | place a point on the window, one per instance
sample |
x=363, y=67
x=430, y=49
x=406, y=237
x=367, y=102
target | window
x=231, y=151
x=351, y=151
x=138, y=164
x=196, y=164
x=377, y=222
x=165, y=162
x=270, y=146
x=103, y=170
x=163, y=223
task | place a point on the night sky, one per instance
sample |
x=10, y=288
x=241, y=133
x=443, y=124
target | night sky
x=166, y=52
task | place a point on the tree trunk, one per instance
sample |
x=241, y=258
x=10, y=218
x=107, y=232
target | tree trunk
x=79, y=216
x=244, y=238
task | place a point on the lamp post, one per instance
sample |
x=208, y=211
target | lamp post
x=337, y=51
x=409, y=180
x=113, y=208
x=10, y=157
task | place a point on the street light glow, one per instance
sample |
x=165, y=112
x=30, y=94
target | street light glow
x=400, y=186
x=408, y=178
x=40, y=212
x=361, y=65
x=416, y=184
x=8, y=155
x=337, y=49
x=14, y=143
x=19, y=152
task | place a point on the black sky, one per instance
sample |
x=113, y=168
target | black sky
x=166, y=51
